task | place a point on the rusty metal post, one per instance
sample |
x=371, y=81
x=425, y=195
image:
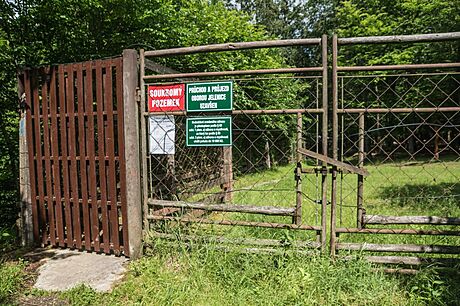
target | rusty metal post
x=26, y=222
x=227, y=174
x=297, y=219
x=131, y=133
x=333, y=210
x=360, y=194
x=324, y=144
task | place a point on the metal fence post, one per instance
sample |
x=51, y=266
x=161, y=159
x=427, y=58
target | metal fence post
x=324, y=143
x=131, y=147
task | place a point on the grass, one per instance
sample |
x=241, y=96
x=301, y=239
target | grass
x=180, y=272
x=12, y=276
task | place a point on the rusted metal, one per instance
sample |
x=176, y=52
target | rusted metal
x=324, y=143
x=297, y=218
x=234, y=46
x=398, y=67
x=398, y=110
x=399, y=38
x=231, y=73
x=254, y=112
x=360, y=191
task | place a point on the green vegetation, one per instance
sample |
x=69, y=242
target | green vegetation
x=12, y=277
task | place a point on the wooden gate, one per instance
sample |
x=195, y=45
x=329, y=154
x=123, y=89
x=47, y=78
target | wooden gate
x=74, y=128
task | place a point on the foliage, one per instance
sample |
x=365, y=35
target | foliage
x=11, y=278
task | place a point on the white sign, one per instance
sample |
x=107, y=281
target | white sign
x=162, y=134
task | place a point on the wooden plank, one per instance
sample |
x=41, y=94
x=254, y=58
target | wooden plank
x=72, y=145
x=101, y=152
x=81, y=154
x=48, y=171
x=380, y=219
x=411, y=260
x=90, y=146
x=334, y=162
x=31, y=152
x=396, y=231
x=121, y=153
x=64, y=152
x=264, y=210
x=110, y=144
x=409, y=248
x=38, y=150
x=55, y=157
x=236, y=223
x=239, y=241
x=399, y=38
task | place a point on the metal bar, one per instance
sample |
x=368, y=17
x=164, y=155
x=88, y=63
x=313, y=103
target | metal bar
x=379, y=219
x=82, y=152
x=121, y=153
x=101, y=152
x=110, y=146
x=230, y=73
x=333, y=236
x=399, y=38
x=410, y=248
x=253, y=112
x=324, y=135
x=72, y=145
x=334, y=162
x=398, y=67
x=90, y=145
x=265, y=210
x=31, y=150
x=398, y=110
x=395, y=231
x=297, y=218
x=234, y=46
x=55, y=157
x=237, y=223
x=360, y=193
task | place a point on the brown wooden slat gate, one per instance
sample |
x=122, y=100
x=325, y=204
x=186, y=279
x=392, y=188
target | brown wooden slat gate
x=76, y=155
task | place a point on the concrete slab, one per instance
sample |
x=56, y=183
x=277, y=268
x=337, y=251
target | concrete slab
x=65, y=269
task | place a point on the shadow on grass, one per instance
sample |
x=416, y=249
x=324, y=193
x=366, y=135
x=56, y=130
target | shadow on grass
x=436, y=197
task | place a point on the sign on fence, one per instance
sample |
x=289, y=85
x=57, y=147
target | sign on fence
x=206, y=97
x=162, y=134
x=166, y=98
x=209, y=131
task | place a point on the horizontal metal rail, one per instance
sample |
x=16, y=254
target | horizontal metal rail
x=434, y=220
x=398, y=67
x=409, y=248
x=248, y=112
x=398, y=110
x=395, y=231
x=264, y=210
x=237, y=223
x=234, y=46
x=399, y=38
x=231, y=73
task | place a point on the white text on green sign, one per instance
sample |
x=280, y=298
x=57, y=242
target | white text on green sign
x=207, y=97
x=209, y=131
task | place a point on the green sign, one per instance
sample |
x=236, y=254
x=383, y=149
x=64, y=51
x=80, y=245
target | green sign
x=209, y=97
x=209, y=131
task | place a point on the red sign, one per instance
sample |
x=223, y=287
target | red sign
x=166, y=98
